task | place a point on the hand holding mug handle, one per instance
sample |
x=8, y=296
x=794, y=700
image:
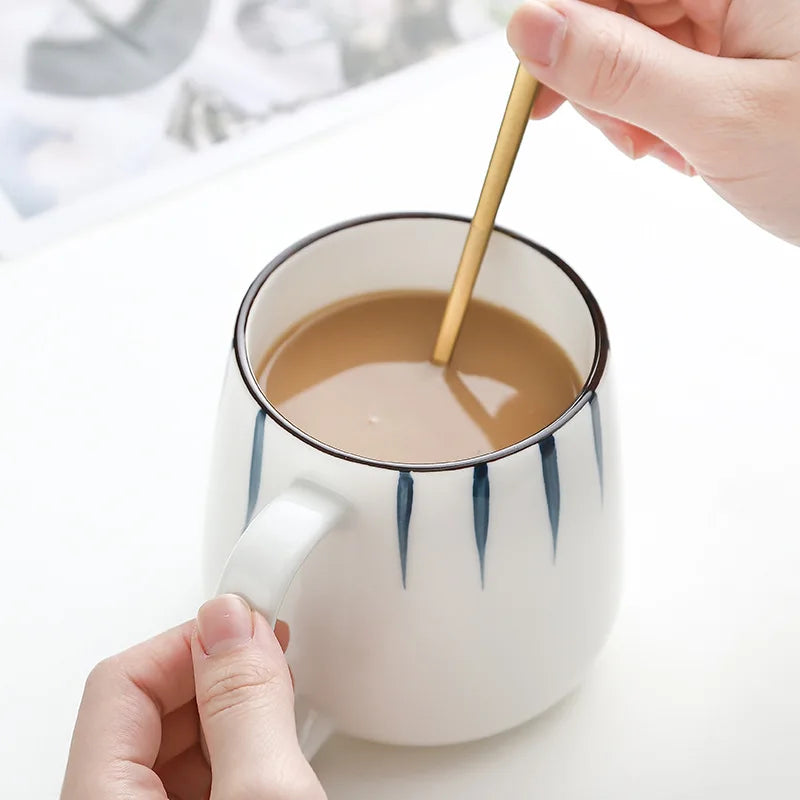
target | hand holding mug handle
x=266, y=558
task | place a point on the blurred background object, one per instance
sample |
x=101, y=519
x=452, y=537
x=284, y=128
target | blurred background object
x=95, y=94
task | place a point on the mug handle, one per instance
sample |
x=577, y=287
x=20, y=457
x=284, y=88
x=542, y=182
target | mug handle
x=266, y=558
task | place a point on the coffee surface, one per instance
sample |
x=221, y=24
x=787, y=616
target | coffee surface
x=357, y=375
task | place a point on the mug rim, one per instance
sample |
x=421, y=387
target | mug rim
x=596, y=371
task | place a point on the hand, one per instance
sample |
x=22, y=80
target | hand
x=708, y=86
x=138, y=731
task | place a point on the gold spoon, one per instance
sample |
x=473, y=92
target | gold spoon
x=518, y=111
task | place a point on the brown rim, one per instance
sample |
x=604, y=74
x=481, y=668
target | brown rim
x=592, y=382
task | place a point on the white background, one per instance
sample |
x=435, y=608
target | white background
x=112, y=346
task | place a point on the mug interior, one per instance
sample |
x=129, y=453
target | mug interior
x=419, y=251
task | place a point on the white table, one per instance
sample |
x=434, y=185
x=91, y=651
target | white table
x=112, y=346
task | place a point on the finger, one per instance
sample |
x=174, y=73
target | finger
x=661, y=13
x=683, y=32
x=672, y=158
x=547, y=103
x=246, y=704
x=180, y=730
x=710, y=18
x=187, y=777
x=613, y=64
x=637, y=143
x=119, y=721
x=631, y=140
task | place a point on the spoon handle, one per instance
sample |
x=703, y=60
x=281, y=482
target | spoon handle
x=518, y=111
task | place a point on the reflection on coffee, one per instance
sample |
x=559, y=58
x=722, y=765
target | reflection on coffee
x=357, y=375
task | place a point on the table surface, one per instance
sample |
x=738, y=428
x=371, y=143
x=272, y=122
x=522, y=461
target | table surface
x=112, y=345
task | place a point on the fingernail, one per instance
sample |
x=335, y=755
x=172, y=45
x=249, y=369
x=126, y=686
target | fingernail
x=615, y=132
x=223, y=624
x=672, y=158
x=536, y=33
x=622, y=142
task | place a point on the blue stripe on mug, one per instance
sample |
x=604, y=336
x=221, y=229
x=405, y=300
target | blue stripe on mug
x=405, y=502
x=480, y=512
x=256, y=457
x=552, y=485
x=597, y=430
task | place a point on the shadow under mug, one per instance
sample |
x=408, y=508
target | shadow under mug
x=429, y=604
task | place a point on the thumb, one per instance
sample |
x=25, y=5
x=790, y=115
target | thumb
x=612, y=64
x=246, y=705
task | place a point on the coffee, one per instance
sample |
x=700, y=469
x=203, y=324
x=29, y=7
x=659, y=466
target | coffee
x=357, y=375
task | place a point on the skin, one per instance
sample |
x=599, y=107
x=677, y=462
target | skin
x=138, y=733
x=711, y=87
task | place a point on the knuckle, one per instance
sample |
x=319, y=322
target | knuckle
x=131, y=780
x=619, y=63
x=237, y=685
x=736, y=108
x=291, y=783
x=743, y=109
x=306, y=787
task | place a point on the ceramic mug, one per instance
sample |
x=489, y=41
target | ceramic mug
x=429, y=604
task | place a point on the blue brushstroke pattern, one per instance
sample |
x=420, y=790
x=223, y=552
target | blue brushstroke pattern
x=405, y=502
x=552, y=485
x=597, y=429
x=256, y=458
x=480, y=511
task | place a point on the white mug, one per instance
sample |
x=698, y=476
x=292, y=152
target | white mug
x=429, y=604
